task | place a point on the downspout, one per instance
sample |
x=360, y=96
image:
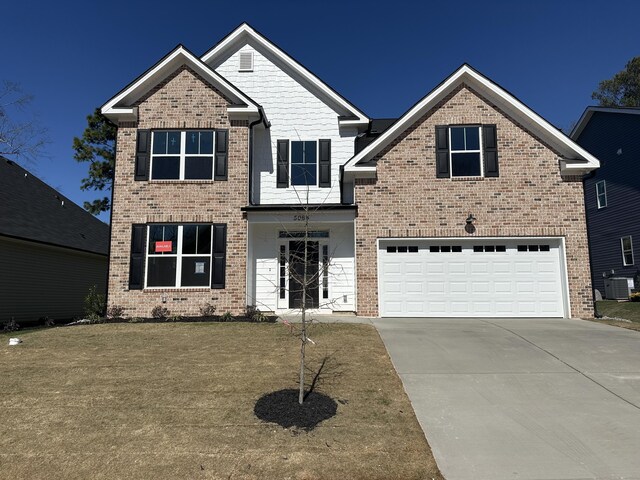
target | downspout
x=262, y=119
x=596, y=313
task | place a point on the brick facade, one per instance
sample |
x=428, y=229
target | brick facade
x=529, y=198
x=183, y=100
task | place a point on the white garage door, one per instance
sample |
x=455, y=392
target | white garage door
x=503, y=277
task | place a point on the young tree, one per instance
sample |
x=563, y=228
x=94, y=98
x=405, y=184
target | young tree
x=623, y=90
x=97, y=146
x=20, y=135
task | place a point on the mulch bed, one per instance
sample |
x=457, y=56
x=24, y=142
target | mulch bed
x=282, y=408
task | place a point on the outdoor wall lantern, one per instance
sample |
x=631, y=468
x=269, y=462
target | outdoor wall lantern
x=470, y=227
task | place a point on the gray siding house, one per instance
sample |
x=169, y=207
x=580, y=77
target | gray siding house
x=612, y=193
x=51, y=250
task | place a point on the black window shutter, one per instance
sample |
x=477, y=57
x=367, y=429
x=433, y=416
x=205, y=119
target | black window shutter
x=442, y=151
x=490, y=144
x=324, y=163
x=143, y=147
x=222, y=155
x=138, y=250
x=219, y=261
x=283, y=164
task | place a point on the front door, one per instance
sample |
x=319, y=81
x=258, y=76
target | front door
x=297, y=278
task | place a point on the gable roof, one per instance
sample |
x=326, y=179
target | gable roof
x=589, y=111
x=576, y=160
x=349, y=114
x=32, y=210
x=119, y=107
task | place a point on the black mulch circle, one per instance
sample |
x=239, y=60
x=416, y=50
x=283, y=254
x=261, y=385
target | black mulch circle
x=282, y=407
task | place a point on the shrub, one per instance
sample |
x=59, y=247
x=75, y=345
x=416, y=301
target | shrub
x=226, y=317
x=635, y=297
x=10, y=325
x=159, y=312
x=207, y=310
x=47, y=321
x=174, y=318
x=253, y=314
x=94, y=304
x=115, y=311
x=136, y=320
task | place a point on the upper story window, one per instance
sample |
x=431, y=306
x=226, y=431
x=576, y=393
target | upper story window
x=303, y=163
x=466, y=151
x=181, y=155
x=601, y=193
x=627, y=251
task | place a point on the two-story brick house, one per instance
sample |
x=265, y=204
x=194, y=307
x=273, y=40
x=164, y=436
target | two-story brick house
x=470, y=204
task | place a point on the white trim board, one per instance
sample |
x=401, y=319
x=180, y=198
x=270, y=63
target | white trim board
x=576, y=160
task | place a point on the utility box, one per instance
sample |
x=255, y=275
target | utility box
x=616, y=288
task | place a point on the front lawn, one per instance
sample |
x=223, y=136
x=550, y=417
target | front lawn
x=177, y=401
x=613, y=310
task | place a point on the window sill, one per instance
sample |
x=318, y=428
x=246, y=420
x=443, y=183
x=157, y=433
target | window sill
x=174, y=289
x=467, y=179
x=183, y=182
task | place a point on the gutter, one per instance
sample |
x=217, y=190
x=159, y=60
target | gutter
x=267, y=124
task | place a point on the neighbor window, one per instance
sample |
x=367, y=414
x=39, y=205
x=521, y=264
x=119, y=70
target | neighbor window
x=182, y=155
x=627, y=251
x=466, y=153
x=601, y=193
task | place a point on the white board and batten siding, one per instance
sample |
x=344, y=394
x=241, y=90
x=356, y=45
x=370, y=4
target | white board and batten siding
x=295, y=114
x=500, y=277
x=263, y=271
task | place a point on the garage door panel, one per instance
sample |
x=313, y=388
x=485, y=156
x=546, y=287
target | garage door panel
x=472, y=277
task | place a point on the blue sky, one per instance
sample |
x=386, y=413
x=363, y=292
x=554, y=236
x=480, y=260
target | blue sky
x=382, y=56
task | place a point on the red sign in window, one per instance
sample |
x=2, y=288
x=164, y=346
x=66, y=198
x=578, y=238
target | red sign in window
x=165, y=246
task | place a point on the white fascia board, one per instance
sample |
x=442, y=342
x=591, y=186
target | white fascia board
x=352, y=172
x=245, y=29
x=466, y=74
x=176, y=58
x=354, y=123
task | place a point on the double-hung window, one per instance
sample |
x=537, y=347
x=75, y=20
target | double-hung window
x=304, y=163
x=627, y=251
x=601, y=193
x=182, y=155
x=179, y=256
x=466, y=151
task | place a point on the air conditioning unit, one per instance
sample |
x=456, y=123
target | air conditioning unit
x=616, y=288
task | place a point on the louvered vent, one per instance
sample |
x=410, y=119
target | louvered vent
x=246, y=61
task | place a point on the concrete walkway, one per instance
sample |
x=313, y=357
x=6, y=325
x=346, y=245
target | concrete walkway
x=522, y=398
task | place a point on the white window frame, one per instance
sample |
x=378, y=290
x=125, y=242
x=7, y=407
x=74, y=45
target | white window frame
x=183, y=154
x=179, y=255
x=317, y=142
x=603, y=194
x=451, y=151
x=629, y=250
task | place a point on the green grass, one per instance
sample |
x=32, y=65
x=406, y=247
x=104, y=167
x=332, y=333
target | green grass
x=626, y=310
x=167, y=401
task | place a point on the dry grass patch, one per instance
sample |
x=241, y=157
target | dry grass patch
x=176, y=401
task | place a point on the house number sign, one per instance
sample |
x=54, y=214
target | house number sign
x=300, y=218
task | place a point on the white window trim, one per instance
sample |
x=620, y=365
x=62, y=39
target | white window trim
x=183, y=154
x=451, y=151
x=291, y=185
x=604, y=193
x=179, y=257
x=628, y=251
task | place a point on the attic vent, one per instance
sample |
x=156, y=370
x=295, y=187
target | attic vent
x=246, y=62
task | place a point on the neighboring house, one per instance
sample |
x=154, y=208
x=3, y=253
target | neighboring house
x=218, y=156
x=612, y=193
x=51, y=250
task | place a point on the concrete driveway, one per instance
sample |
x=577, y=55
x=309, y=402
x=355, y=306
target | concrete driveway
x=522, y=398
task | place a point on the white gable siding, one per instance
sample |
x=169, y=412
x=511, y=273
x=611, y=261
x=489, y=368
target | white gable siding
x=295, y=114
